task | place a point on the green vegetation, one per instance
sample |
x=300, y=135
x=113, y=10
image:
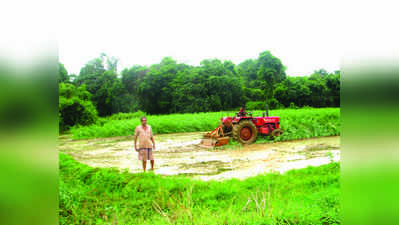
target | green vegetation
x=214, y=85
x=107, y=196
x=74, y=107
x=125, y=116
x=297, y=123
x=255, y=106
x=100, y=102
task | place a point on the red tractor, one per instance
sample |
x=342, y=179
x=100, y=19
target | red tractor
x=244, y=128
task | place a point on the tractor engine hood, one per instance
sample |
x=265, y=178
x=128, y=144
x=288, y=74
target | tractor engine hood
x=227, y=121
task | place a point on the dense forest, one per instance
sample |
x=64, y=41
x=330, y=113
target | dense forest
x=172, y=87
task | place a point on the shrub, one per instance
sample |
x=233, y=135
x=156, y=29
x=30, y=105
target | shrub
x=255, y=106
x=126, y=116
x=74, y=107
x=292, y=106
x=274, y=104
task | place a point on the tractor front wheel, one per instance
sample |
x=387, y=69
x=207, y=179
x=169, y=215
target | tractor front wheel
x=276, y=133
x=245, y=132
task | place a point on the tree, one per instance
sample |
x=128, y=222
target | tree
x=333, y=84
x=74, y=107
x=132, y=77
x=90, y=74
x=222, y=82
x=270, y=71
x=214, y=85
x=292, y=90
x=247, y=71
x=189, y=91
x=109, y=95
x=109, y=91
x=155, y=92
x=112, y=63
x=62, y=73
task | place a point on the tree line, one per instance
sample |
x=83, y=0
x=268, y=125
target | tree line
x=172, y=87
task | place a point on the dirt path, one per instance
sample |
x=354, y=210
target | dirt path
x=181, y=154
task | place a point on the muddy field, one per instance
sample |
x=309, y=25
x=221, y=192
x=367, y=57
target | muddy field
x=181, y=154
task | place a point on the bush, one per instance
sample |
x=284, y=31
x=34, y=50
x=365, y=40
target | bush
x=292, y=106
x=74, y=108
x=75, y=111
x=126, y=116
x=255, y=106
x=274, y=104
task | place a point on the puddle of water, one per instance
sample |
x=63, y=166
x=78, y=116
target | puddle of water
x=181, y=154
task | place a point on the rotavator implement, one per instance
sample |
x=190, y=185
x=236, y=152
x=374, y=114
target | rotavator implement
x=244, y=128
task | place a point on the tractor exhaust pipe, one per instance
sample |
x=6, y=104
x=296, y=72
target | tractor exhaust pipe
x=266, y=113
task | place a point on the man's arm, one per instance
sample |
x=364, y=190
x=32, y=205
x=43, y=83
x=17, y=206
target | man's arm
x=135, y=142
x=152, y=139
x=153, y=142
x=135, y=139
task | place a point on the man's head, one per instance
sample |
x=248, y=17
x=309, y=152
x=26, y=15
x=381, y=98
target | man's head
x=143, y=120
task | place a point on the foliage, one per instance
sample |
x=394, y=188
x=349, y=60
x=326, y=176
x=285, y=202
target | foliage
x=154, y=90
x=107, y=196
x=300, y=123
x=321, y=89
x=215, y=85
x=62, y=74
x=255, y=106
x=108, y=92
x=308, y=122
x=74, y=107
x=270, y=71
x=126, y=116
x=130, y=80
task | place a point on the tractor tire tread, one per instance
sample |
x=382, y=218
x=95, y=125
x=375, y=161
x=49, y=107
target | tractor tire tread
x=237, y=128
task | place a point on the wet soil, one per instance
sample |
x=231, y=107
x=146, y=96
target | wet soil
x=181, y=154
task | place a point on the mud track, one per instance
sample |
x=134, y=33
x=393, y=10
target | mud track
x=180, y=154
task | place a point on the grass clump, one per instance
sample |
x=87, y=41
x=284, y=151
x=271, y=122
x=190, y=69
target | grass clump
x=107, y=196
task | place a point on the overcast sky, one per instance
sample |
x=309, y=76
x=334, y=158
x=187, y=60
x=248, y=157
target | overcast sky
x=303, y=36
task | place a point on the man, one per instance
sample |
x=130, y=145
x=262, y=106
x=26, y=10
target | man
x=242, y=111
x=144, y=133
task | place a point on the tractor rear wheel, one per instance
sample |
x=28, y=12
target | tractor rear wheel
x=245, y=132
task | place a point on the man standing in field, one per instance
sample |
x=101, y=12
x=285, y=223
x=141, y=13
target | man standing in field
x=144, y=133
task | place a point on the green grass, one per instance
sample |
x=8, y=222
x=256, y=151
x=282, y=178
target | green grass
x=107, y=196
x=297, y=123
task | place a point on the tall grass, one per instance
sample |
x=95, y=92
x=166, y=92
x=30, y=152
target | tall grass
x=106, y=196
x=297, y=123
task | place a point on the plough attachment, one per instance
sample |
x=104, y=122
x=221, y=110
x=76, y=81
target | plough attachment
x=215, y=138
